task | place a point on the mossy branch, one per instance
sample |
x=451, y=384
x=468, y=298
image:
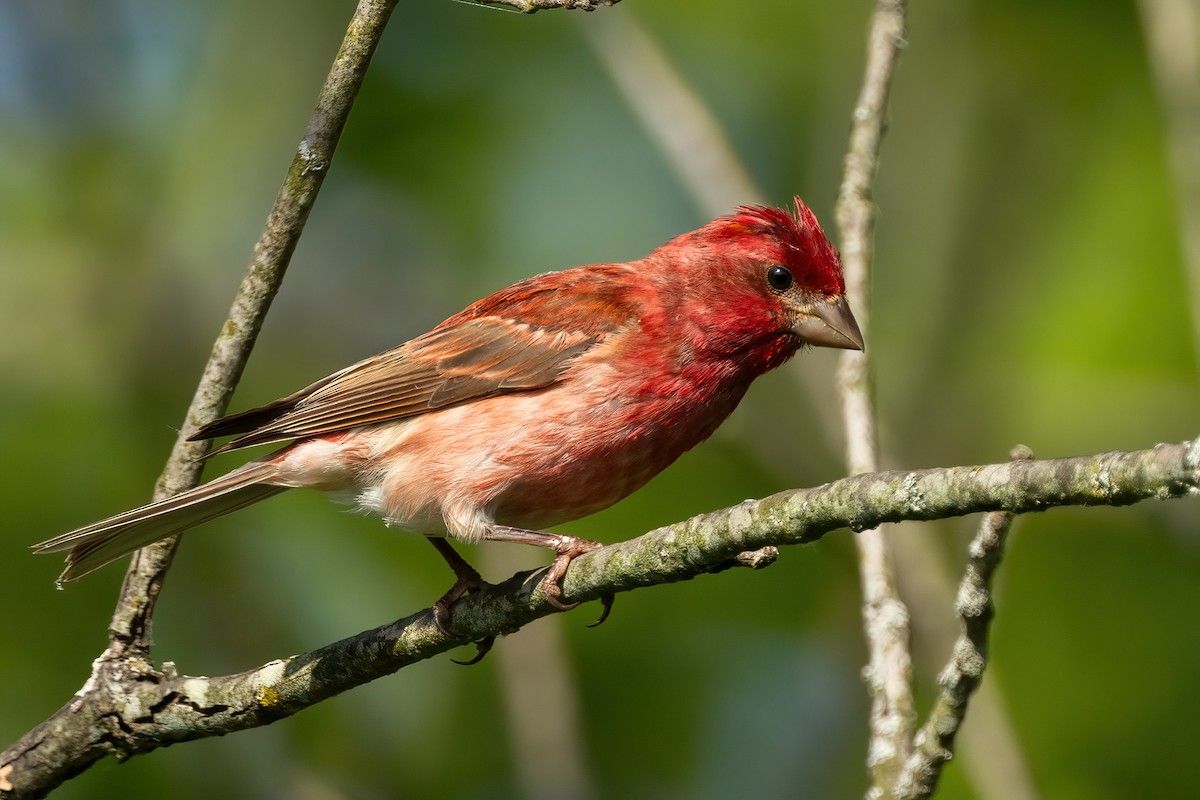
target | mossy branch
x=115, y=716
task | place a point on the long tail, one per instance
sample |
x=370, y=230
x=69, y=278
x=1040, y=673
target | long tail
x=95, y=545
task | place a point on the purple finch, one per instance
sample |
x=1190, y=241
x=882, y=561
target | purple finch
x=539, y=404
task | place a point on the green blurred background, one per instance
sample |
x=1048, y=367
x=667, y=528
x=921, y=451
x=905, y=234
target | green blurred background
x=1029, y=288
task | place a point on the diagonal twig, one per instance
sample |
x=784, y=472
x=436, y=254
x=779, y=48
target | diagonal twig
x=688, y=133
x=933, y=745
x=129, y=631
x=126, y=660
x=934, y=742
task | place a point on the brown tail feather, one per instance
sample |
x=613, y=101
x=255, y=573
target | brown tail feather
x=95, y=545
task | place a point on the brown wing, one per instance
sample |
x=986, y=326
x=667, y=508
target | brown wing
x=522, y=338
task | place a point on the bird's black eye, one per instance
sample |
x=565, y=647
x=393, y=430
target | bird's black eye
x=779, y=277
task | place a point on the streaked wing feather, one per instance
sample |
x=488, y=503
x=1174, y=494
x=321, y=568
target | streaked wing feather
x=480, y=364
x=521, y=338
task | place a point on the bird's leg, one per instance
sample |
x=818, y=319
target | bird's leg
x=467, y=579
x=566, y=549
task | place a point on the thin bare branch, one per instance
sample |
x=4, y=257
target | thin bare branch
x=933, y=745
x=885, y=618
x=164, y=708
x=988, y=750
x=934, y=742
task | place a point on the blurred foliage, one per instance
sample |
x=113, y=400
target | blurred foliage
x=1029, y=288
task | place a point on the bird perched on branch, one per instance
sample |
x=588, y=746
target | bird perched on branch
x=542, y=403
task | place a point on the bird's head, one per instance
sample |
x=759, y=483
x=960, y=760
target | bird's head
x=763, y=273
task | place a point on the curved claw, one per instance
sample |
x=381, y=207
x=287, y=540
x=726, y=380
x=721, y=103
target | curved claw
x=442, y=611
x=606, y=604
x=552, y=593
x=568, y=551
x=482, y=648
x=444, y=606
x=551, y=584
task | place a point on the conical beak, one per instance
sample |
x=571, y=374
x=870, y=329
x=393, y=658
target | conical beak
x=829, y=323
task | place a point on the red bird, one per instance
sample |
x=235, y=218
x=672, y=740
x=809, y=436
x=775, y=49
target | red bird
x=542, y=403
